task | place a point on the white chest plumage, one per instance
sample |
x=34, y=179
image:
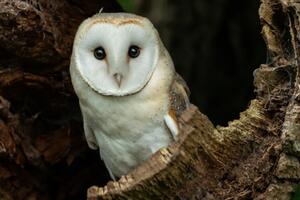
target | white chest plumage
x=127, y=129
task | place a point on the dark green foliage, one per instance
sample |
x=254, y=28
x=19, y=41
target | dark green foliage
x=127, y=5
x=296, y=195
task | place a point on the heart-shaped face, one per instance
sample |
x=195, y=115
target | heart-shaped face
x=116, y=53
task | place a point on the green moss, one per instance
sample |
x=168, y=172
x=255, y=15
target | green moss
x=127, y=5
x=296, y=195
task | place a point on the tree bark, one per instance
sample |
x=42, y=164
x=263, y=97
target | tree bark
x=43, y=154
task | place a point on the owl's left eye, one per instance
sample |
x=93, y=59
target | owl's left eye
x=99, y=53
x=134, y=51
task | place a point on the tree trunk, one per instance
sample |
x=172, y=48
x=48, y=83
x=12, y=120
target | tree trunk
x=43, y=154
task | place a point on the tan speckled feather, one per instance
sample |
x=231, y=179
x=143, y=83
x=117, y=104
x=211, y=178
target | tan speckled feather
x=179, y=96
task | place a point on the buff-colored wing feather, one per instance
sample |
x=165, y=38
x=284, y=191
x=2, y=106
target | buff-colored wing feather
x=179, y=101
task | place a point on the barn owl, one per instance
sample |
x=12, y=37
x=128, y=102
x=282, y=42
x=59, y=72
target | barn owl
x=129, y=93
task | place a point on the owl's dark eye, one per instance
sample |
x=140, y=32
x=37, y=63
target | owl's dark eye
x=99, y=53
x=134, y=51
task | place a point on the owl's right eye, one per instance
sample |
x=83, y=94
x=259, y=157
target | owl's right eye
x=99, y=53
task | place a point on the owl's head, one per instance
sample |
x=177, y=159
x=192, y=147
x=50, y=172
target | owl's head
x=116, y=53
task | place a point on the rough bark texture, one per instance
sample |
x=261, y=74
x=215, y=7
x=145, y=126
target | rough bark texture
x=43, y=154
x=254, y=157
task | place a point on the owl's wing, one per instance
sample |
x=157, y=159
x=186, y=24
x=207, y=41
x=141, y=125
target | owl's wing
x=89, y=134
x=179, y=101
x=112, y=176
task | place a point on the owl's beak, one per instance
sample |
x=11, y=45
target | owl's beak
x=118, y=77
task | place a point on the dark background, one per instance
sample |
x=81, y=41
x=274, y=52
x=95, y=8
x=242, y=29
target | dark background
x=215, y=46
